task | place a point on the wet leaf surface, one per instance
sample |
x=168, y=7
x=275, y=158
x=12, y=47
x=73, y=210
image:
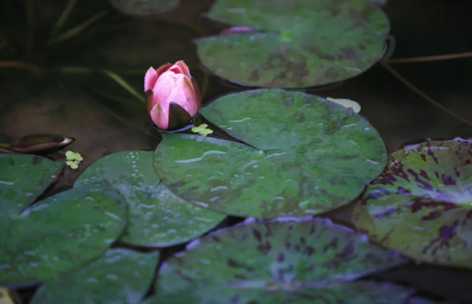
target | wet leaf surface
x=59, y=234
x=22, y=179
x=144, y=7
x=157, y=216
x=299, y=43
x=119, y=276
x=307, y=261
x=305, y=156
x=422, y=204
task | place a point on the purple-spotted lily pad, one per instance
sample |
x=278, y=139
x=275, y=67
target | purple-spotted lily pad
x=289, y=261
x=144, y=7
x=305, y=155
x=296, y=43
x=422, y=204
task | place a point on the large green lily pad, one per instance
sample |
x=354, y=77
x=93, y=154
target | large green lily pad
x=144, y=7
x=305, y=156
x=290, y=261
x=422, y=204
x=297, y=43
x=119, y=276
x=57, y=235
x=156, y=216
x=22, y=179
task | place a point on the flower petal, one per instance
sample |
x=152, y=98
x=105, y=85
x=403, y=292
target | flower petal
x=181, y=68
x=150, y=79
x=160, y=116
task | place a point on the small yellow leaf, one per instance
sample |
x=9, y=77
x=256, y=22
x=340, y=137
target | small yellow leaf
x=202, y=130
x=5, y=297
x=73, y=159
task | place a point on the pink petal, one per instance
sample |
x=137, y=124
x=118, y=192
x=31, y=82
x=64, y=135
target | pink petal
x=160, y=116
x=184, y=95
x=181, y=68
x=150, y=79
x=164, y=87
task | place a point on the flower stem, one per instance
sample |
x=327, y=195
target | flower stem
x=71, y=33
x=19, y=65
x=64, y=16
x=433, y=58
x=422, y=94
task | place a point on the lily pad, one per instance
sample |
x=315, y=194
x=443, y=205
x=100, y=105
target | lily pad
x=119, y=276
x=290, y=261
x=22, y=179
x=57, y=235
x=305, y=155
x=144, y=7
x=422, y=204
x=157, y=217
x=298, y=43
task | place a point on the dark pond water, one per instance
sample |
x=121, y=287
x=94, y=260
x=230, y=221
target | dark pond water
x=51, y=97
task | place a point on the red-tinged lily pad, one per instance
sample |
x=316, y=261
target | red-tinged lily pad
x=297, y=43
x=119, y=276
x=422, y=204
x=285, y=261
x=305, y=155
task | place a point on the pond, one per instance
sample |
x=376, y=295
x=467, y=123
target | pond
x=330, y=161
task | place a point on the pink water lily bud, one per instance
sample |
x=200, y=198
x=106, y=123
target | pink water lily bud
x=173, y=97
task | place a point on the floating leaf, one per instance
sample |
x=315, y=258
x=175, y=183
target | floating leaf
x=279, y=262
x=157, y=216
x=119, y=276
x=305, y=156
x=298, y=43
x=58, y=234
x=40, y=143
x=22, y=179
x=422, y=204
x=144, y=7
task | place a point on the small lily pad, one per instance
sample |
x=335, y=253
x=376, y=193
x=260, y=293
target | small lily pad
x=58, y=234
x=297, y=43
x=157, y=216
x=119, y=276
x=305, y=155
x=144, y=7
x=422, y=204
x=23, y=178
x=290, y=261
